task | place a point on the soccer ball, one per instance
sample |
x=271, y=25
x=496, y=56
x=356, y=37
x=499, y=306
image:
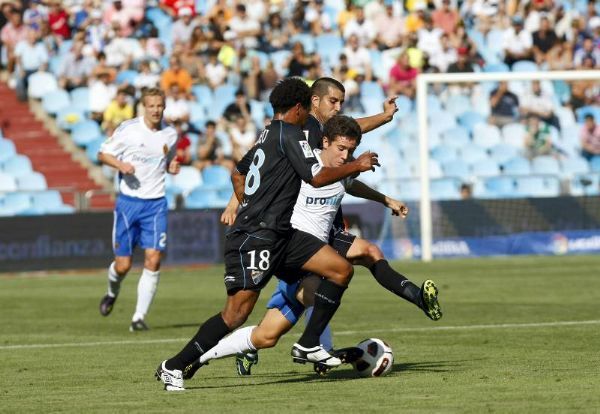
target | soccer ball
x=377, y=358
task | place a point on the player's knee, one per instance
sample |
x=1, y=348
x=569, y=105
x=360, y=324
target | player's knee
x=265, y=341
x=152, y=261
x=343, y=274
x=373, y=253
x=234, y=318
x=122, y=267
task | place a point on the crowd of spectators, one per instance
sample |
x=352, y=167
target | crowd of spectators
x=224, y=41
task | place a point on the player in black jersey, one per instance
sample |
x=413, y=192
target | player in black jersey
x=262, y=242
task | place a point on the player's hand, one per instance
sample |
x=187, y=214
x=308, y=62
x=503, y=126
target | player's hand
x=398, y=208
x=228, y=216
x=174, y=167
x=367, y=161
x=126, y=168
x=390, y=107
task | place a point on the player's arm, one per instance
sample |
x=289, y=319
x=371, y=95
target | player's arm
x=111, y=150
x=230, y=213
x=369, y=123
x=238, y=176
x=361, y=190
x=329, y=175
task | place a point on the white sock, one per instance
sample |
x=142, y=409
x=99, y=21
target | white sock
x=146, y=291
x=326, y=338
x=238, y=341
x=114, y=281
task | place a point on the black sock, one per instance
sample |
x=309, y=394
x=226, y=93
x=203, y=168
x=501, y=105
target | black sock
x=209, y=334
x=395, y=282
x=327, y=300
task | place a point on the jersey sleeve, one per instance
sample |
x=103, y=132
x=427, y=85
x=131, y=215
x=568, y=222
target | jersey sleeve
x=299, y=152
x=115, y=145
x=244, y=164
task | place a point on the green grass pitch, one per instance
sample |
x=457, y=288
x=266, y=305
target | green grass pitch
x=505, y=344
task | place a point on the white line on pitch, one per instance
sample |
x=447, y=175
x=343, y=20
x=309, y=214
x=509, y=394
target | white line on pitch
x=367, y=331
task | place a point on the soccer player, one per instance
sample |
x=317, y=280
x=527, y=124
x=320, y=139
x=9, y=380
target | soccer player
x=262, y=241
x=314, y=212
x=142, y=150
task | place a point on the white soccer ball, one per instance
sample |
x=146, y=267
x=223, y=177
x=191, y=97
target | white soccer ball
x=377, y=358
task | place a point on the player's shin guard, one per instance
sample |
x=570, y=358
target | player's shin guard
x=326, y=338
x=145, y=293
x=395, y=282
x=327, y=300
x=209, y=334
x=114, y=281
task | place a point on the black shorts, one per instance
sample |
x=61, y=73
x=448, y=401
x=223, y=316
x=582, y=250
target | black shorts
x=252, y=258
x=341, y=240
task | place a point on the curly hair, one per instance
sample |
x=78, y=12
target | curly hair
x=342, y=126
x=289, y=92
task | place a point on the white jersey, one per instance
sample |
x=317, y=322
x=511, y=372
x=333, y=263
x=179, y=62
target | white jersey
x=148, y=151
x=316, y=208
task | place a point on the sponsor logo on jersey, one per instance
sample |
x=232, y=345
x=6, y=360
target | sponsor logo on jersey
x=324, y=201
x=306, y=149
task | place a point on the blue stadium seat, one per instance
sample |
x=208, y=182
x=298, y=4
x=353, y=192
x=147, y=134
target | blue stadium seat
x=434, y=105
x=445, y=189
x=456, y=137
x=307, y=40
x=501, y=153
x=405, y=106
x=17, y=166
x=458, y=104
x=456, y=168
x=537, y=186
x=372, y=90
x=525, y=66
x=545, y=165
x=127, y=77
x=496, y=67
x=80, y=98
x=33, y=181
x=495, y=187
x=67, y=117
x=41, y=83
x=329, y=47
x=514, y=134
x=280, y=57
x=486, y=135
x=84, y=132
x=17, y=203
x=171, y=195
x=257, y=113
x=444, y=153
x=398, y=170
x=197, y=112
x=472, y=154
x=574, y=165
x=485, y=168
x=595, y=164
x=409, y=190
x=469, y=119
x=7, y=183
x=50, y=202
x=202, y=198
x=585, y=185
x=92, y=148
x=216, y=177
x=54, y=64
x=442, y=120
x=585, y=110
x=187, y=179
x=517, y=166
x=55, y=101
x=7, y=150
x=203, y=94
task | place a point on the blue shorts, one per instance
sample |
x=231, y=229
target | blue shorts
x=139, y=222
x=284, y=299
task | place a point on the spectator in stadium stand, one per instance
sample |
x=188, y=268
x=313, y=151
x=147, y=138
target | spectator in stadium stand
x=588, y=50
x=466, y=191
x=415, y=20
x=358, y=57
x=561, y=56
x=242, y=133
x=183, y=153
x=214, y=71
x=34, y=15
x=183, y=26
x=102, y=91
x=318, y=21
x=429, y=36
x=199, y=42
x=95, y=30
x=58, y=19
x=516, y=42
x=102, y=68
x=445, y=17
x=544, y=42
x=239, y=107
x=12, y=32
x=590, y=138
x=444, y=56
x=298, y=62
x=538, y=139
x=402, y=77
x=171, y=7
x=125, y=17
x=176, y=74
x=539, y=103
x=390, y=28
x=146, y=78
x=210, y=150
x=275, y=35
x=243, y=30
x=120, y=109
x=177, y=105
x=504, y=105
x=76, y=67
x=584, y=92
x=223, y=8
x=31, y=56
x=463, y=62
x=362, y=28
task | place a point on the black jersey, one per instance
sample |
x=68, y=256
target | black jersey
x=314, y=131
x=273, y=168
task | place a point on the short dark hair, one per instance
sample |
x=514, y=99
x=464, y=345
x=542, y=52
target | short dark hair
x=321, y=86
x=341, y=125
x=289, y=92
x=210, y=124
x=589, y=116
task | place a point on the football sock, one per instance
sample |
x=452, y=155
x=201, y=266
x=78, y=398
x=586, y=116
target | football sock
x=238, y=341
x=326, y=339
x=114, y=281
x=395, y=282
x=327, y=300
x=146, y=291
x=209, y=334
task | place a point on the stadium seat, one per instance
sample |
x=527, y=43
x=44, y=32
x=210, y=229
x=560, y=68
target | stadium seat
x=485, y=168
x=458, y=104
x=329, y=46
x=545, y=165
x=187, y=179
x=257, y=113
x=41, y=83
x=80, y=99
x=216, y=177
x=456, y=168
x=84, y=132
x=573, y=166
x=517, y=166
x=197, y=112
x=514, y=134
x=279, y=58
x=127, y=77
x=50, y=202
x=537, y=186
x=7, y=183
x=456, y=137
x=445, y=189
x=442, y=120
x=409, y=190
x=595, y=164
x=7, y=150
x=444, y=153
x=486, y=135
x=92, y=148
x=33, y=181
x=525, y=66
x=67, y=117
x=372, y=90
x=503, y=152
x=585, y=110
x=405, y=106
x=203, y=94
x=496, y=67
x=17, y=203
x=398, y=170
x=55, y=101
x=495, y=187
x=307, y=41
x=433, y=104
x=585, y=185
x=17, y=166
x=469, y=119
x=472, y=153
x=202, y=198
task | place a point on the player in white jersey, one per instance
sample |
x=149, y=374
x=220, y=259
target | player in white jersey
x=142, y=150
x=314, y=213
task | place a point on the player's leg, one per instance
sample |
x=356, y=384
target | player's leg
x=370, y=256
x=306, y=295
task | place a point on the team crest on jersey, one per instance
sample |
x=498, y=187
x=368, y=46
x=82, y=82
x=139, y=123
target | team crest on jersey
x=165, y=149
x=306, y=149
x=257, y=276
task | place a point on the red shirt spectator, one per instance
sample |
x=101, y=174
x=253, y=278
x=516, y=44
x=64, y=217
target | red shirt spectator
x=184, y=156
x=172, y=6
x=445, y=17
x=58, y=19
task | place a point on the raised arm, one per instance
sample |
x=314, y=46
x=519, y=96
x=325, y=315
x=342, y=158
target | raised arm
x=328, y=175
x=369, y=123
x=361, y=190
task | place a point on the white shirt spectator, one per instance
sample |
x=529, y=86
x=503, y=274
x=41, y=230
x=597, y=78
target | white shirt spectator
x=101, y=94
x=146, y=80
x=429, y=40
x=311, y=15
x=182, y=31
x=359, y=58
x=176, y=108
x=239, y=26
x=120, y=49
x=538, y=103
x=245, y=138
x=443, y=58
x=516, y=42
x=216, y=74
x=31, y=56
x=365, y=31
